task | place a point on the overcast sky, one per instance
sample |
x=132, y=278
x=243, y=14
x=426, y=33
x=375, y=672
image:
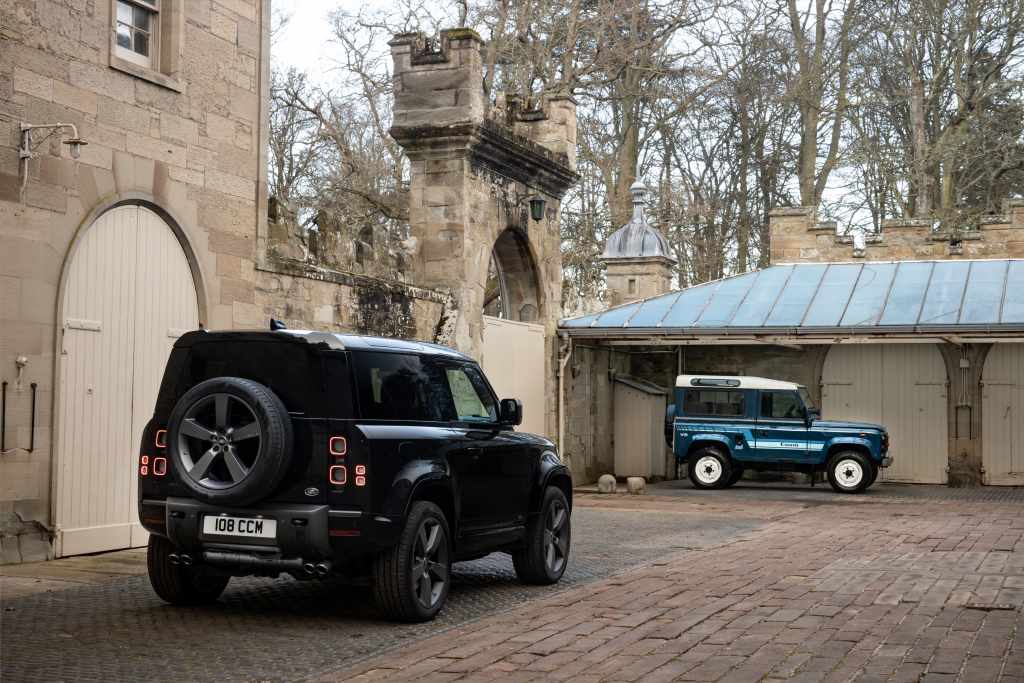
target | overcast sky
x=305, y=42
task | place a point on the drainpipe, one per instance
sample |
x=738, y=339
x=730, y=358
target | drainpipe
x=564, y=353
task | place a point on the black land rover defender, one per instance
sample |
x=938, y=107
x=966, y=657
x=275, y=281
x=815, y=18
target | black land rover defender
x=312, y=453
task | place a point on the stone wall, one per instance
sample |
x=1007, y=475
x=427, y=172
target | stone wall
x=651, y=276
x=797, y=236
x=188, y=141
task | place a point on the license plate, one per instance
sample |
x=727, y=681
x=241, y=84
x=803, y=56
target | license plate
x=250, y=527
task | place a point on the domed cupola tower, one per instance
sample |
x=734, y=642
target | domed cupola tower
x=637, y=256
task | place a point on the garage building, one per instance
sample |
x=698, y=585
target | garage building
x=931, y=348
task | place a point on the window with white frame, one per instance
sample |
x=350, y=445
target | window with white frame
x=137, y=27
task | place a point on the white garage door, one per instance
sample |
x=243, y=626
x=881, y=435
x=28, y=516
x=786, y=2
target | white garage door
x=1002, y=415
x=128, y=294
x=513, y=360
x=901, y=386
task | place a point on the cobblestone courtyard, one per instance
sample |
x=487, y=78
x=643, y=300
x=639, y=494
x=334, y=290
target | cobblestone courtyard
x=760, y=583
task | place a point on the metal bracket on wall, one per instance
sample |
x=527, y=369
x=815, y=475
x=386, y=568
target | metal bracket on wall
x=32, y=423
x=3, y=418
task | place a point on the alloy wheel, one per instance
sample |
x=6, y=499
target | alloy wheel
x=224, y=431
x=556, y=526
x=430, y=563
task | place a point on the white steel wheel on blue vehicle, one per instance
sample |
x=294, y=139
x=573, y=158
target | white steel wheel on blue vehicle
x=850, y=472
x=710, y=469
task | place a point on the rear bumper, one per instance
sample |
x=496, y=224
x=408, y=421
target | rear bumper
x=305, y=532
x=887, y=461
x=301, y=529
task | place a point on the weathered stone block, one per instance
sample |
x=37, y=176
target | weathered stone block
x=607, y=484
x=68, y=95
x=34, y=84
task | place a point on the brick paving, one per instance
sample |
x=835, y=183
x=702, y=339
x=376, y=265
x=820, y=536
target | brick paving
x=115, y=629
x=852, y=589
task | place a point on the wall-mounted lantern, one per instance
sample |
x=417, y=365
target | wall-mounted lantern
x=537, y=204
x=28, y=145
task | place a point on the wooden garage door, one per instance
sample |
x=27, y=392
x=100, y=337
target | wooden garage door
x=513, y=360
x=1002, y=415
x=128, y=294
x=901, y=386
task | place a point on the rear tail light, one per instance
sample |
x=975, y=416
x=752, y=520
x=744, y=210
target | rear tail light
x=143, y=465
x=360, y=475
x=161, y=438
x=159, y=466
x=337, y=472
x=337, y=475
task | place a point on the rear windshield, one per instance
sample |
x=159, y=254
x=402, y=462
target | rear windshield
x=309, y=381
x=714, y=402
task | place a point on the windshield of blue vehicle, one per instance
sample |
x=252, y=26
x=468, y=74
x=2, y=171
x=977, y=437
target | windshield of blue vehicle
x=808, y=401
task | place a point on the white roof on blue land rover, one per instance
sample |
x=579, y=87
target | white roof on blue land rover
x=733, y=382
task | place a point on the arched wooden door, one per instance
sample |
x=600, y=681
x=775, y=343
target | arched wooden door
x=128, y=293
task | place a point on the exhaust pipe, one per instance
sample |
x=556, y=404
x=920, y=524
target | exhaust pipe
x=173, y=559
x=185, y=560
x=323, y=569
x=309, y=568
x=254, y=562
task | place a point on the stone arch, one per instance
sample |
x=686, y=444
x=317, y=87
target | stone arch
x=513, y=290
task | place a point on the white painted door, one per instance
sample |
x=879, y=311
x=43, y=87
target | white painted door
x=901, y=386
x=513, y=360
x=1002, y=415
x=128, y=292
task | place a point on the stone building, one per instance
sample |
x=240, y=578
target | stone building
x=920, y=330
x=152, y=228
x=133, y=208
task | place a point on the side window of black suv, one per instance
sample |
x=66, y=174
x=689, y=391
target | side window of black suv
x=473, y=400
x=398, y=386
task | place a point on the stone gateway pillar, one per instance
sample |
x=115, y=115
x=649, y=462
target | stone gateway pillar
x=485, y=187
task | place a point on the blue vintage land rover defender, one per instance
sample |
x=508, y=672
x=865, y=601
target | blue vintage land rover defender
x=721, y=426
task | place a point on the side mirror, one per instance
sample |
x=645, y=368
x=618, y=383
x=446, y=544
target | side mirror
x=670, y=423
x=813, y=414
x=510, y=412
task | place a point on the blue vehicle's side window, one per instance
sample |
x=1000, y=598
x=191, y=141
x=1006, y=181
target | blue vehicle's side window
x=781, y=405
x=714, y=403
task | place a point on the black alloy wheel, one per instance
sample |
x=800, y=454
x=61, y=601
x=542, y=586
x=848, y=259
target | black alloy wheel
x=224, y=429
x=412, y=578
x=230, y=440
x=545, y=553
x=430, y=563
x=556, y=536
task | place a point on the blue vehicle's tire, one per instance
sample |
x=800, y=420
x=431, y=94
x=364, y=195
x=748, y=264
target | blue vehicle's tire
x=710, y=469
x=737, y=474
x=850, y=472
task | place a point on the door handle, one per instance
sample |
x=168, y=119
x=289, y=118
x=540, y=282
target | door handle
x=473, y=453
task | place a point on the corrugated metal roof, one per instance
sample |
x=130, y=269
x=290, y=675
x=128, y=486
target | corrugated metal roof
x=876, y=295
